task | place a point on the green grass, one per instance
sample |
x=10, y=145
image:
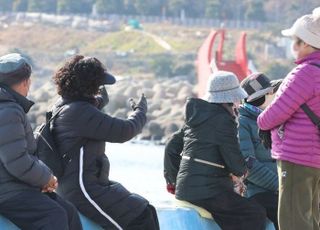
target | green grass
x=184, y=46
x=125, y=41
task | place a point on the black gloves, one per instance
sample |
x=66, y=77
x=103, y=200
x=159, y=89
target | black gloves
x=250, y=161
x=142, y=104
x=265, y=136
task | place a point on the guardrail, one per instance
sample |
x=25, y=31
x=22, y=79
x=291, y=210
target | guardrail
x=115, y=18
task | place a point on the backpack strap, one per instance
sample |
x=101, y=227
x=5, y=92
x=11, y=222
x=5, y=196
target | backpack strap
x=315, y=64
x=67, y=156
x=313, y=117
x=51, y=116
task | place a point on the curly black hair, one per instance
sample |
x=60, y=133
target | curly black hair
x=79, y=77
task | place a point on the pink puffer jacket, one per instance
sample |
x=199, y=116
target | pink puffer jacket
x=294, y=137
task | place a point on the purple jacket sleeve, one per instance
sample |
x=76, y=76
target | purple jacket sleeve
x=296, y=90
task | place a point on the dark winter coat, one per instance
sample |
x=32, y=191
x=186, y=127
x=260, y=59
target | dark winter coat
x=20, y=170
x=81, y=121
x=210, y=134
x=262, y=175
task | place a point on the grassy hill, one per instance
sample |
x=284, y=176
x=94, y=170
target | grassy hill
x=125, y=41
x=129, y=52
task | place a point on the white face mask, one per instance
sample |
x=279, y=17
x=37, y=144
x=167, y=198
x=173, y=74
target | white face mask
x=294, y=53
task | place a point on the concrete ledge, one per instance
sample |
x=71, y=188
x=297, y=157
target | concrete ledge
x=180, y=218
x=169, y=218
x=184, y=219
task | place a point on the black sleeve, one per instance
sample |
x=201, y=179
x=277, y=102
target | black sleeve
x=94, y=124
x=259, y=173
x=229, y=146
x=14, y=153
x=172, y=156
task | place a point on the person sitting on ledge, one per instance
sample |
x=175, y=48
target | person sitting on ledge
x=200, y=157
x=86, y=181
x=26, y=183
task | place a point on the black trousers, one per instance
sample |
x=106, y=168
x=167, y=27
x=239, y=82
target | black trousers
x=45, y=211
x=148, y=220
x=234, y=212
x=270, y=202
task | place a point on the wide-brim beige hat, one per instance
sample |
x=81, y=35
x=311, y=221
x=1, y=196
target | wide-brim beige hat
x=306, y=28
x=224, y=87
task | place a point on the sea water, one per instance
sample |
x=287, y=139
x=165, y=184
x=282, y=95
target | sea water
x=139, y=167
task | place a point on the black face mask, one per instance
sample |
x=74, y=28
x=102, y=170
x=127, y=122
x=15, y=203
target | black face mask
x=258, y=102
x=234, y=111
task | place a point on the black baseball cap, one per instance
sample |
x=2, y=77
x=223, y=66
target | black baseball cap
x=108, y=79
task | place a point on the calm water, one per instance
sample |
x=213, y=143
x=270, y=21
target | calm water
x=139, y=167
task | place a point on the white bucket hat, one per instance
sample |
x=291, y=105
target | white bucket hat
x=306, y=28
x=224, y=87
